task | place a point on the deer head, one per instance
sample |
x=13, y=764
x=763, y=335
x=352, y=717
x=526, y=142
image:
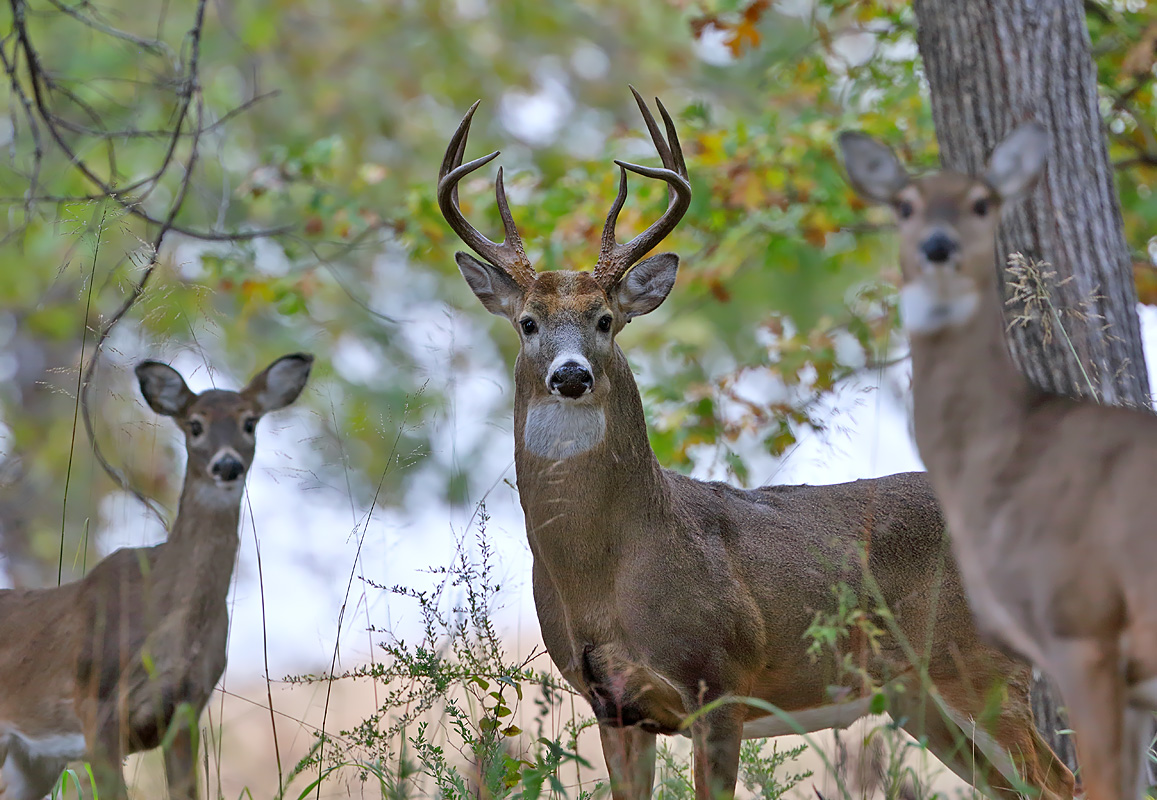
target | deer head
x=220, y=426
x=947, y=221
x=567, y=320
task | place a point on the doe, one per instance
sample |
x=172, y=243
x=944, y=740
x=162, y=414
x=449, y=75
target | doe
x=657, y=593
x=106, y=666
x=1049, y=500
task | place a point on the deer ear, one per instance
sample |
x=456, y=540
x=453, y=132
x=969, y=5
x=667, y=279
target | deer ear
x=647, y=285
x=1018, y=160
x=493, y=286
x=163, y=388
x=280, y=383
x=873, y=169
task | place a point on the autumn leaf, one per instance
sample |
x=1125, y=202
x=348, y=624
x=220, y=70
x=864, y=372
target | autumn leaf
x=1141, y=56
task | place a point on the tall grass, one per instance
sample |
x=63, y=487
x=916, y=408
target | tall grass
x=446, y=723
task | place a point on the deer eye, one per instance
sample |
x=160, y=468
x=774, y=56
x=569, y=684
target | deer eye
x=529, y=326
x=196, y=428
x=249, y=425
x=980, y=207
x=605, y=323
x=903, y=209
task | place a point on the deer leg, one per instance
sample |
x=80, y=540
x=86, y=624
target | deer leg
x=107, y=759
x=716, y=739
x=630, y=757
x=181, y=763
x=1005, y=732
x=1135, y=738
x=947, y=740
x=23, y=776
x=1088, y=673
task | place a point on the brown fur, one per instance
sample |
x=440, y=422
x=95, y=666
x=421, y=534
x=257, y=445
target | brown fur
x=114, y=657
x=657, y=593
x=1047, y=498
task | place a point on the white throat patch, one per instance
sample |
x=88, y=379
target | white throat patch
x=559, y=429
x=214, y=495
x=929, y=305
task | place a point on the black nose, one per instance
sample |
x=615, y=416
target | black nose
x=227, y=468
x=938, y=247
x=571, y=380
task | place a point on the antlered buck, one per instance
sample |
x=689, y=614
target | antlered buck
x=657, y=594
x=1049, y=500
x=115, y=662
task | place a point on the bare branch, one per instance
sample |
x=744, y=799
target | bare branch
x=39, y=81
x=154, y=46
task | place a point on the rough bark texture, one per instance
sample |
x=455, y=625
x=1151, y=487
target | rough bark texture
x=991, y=65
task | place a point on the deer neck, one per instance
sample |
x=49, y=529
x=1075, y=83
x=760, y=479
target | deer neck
x=196, y=562
x=969, y=397
x=589, y=490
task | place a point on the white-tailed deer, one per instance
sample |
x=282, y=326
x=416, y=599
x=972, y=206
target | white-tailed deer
x=105, y=666
x=1048, y=499
x=657, y=593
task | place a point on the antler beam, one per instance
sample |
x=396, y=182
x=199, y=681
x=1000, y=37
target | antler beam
x=509, y=255
x=615, y=259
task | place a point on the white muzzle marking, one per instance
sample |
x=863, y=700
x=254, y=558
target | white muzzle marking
x=936, y=302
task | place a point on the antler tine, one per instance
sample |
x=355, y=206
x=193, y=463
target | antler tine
x=680, y=165
x=457, y=149
x=450, y=164
x=608, y=244
x=653, y=128
x=508, y=256
x=615, y=259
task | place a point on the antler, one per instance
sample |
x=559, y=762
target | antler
x=615, y=259
x=508, y=256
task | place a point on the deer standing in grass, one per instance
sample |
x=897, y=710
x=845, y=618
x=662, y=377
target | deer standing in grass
x=657, y=593
x=116, y=662
x=1049, y=500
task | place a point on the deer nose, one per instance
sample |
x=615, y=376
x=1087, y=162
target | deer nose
x=227, y=468
x=571, y=380
x=938, y=247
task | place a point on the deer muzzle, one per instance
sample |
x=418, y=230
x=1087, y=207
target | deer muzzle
x=226, y=467
x=571, y=379
x=938, y=248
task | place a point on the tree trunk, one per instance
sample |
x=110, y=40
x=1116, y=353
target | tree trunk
x=991, y=65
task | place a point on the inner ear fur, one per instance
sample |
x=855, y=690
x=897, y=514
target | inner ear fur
x=647, y=285
x=873, y=169
x=500, y=294
x=280, y=383
x=163, y=388
x=1018, y=161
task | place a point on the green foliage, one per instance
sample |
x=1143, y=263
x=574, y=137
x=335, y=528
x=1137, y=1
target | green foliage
x=444, y=727
x=457, y=688
x=830, y=631
x=333, y=125
x=760, y=771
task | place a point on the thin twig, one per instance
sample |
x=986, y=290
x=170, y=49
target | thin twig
x=194, y=90
x=79, y=392
x=37, y=78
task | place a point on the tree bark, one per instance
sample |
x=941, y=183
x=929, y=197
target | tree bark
x=991, y=65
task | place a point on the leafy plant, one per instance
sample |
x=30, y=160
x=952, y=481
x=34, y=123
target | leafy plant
x=447, y=715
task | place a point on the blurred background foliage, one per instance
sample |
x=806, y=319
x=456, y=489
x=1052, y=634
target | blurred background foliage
x=327, y=121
